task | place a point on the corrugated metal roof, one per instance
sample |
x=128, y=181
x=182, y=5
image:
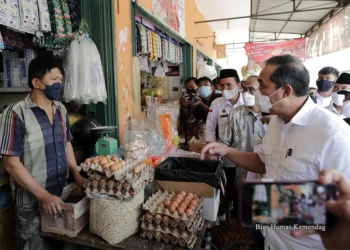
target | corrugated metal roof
x=286, y=19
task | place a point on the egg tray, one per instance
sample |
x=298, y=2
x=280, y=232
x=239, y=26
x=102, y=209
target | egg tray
x=135, y=146
x=120, y=194
x=111, y=184
x=155, y=206
x=175, y=231
x=129, y=177
x=168, y=238
x=153, y=223
x=131, y=169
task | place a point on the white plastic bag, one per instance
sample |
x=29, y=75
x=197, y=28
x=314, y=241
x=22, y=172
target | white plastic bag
x=206, y=70
x=159, y=72
x=84, y=82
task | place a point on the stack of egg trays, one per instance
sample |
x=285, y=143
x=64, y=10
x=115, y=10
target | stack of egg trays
x=180, y=230
x=122, y=184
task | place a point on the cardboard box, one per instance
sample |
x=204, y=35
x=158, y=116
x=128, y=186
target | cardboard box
x=196, y=147
x=74, y=217
x=211, y=196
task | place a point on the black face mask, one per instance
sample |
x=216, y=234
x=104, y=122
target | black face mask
x=324, y=85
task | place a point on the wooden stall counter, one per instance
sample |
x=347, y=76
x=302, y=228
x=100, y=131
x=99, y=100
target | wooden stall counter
x=134, y=242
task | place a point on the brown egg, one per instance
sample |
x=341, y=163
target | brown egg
x=97, y=157
x=123, y=163
x=183, y=205
x=102, y=181
x=108, y=157
x=193, y=207
x=118, y=165
x=165, y=218
x=113, y=167
x=148, y=215
x=103, y=161
x=179, y=196
x=178, y=200
x=189, y=212
x=180, y=211
x=166, y=203
x=95, y=160
x=104, y=166
x=195, y=199
x=132, y=192
x=87, y=161
x=187, y=200
x=190, y=195
x=110, y=182
x=194, y=202
x=172, y=208
x=175, y=203
x=183, y=193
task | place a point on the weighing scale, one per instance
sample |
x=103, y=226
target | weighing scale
x=105, y=145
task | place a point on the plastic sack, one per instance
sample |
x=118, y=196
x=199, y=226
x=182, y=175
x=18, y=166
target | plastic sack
x=159, y=72
x=206, y=70
x=85, y=82
x=191, y=170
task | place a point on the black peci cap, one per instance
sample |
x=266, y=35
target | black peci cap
x=344, y=78
x=227, y=73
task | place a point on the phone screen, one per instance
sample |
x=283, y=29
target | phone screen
x=285, y=203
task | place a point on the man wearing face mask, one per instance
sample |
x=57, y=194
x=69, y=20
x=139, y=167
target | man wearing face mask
x=346, y=104
x=216, y=123
x=342, y=83
x=325, y=84
x=205, y=90
x=287, y=153
x=36, y=150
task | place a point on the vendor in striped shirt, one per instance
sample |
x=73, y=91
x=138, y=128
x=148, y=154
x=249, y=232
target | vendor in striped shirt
x=36, y=150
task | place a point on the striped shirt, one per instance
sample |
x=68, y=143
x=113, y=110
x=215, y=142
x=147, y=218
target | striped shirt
x=26, y=132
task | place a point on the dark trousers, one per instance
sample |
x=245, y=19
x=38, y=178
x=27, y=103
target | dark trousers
x=230, y=195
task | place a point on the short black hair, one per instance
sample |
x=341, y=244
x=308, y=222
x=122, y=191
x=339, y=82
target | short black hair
x=290, y=71
x=204, y=79
x=190, y=79
x=329, y=71
x=42, y=65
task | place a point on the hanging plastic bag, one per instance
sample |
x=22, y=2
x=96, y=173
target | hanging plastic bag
x=85, y=82
x=206, y=70
x=159, y=72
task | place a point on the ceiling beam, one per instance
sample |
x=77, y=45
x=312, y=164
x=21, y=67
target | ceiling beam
x=283, y=20
x=277, y=32
x=271, y=14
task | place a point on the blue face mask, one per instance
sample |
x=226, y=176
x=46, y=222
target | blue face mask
x=205, y=91
x=53, y=92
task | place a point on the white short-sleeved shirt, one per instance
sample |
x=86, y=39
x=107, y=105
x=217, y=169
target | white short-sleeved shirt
x=331, y=108
x=317, y=140
x=322, y=101
x=218, y=113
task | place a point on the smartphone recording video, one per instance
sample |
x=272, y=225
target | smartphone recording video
x=285, y=203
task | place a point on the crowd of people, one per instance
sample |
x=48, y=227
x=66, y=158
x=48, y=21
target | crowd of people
x=274, y=126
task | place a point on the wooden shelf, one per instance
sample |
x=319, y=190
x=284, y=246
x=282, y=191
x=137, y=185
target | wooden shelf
x=14, y=90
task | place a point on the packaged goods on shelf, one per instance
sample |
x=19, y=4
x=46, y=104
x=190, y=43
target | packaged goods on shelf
x=9, y=14
x=75, y=213
x=172, y=217
x=114, y=220
x=45, y=23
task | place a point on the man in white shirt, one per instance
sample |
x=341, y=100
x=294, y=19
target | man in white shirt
x=336, y=106
x=302, y=141
x=219, y=111
x=325, y=84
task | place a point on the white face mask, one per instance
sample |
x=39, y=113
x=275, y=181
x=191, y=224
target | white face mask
x=248, y=99
x=346, y=109
x=338, y=99
x=265, y=103
x=204, y=91
x=230, y=94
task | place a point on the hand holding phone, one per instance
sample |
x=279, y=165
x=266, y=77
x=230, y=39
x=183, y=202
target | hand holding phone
x=337, y=236
x=285, y=203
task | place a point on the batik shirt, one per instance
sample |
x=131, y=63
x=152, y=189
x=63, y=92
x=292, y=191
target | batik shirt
x=242, y=133
x=26, y=132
